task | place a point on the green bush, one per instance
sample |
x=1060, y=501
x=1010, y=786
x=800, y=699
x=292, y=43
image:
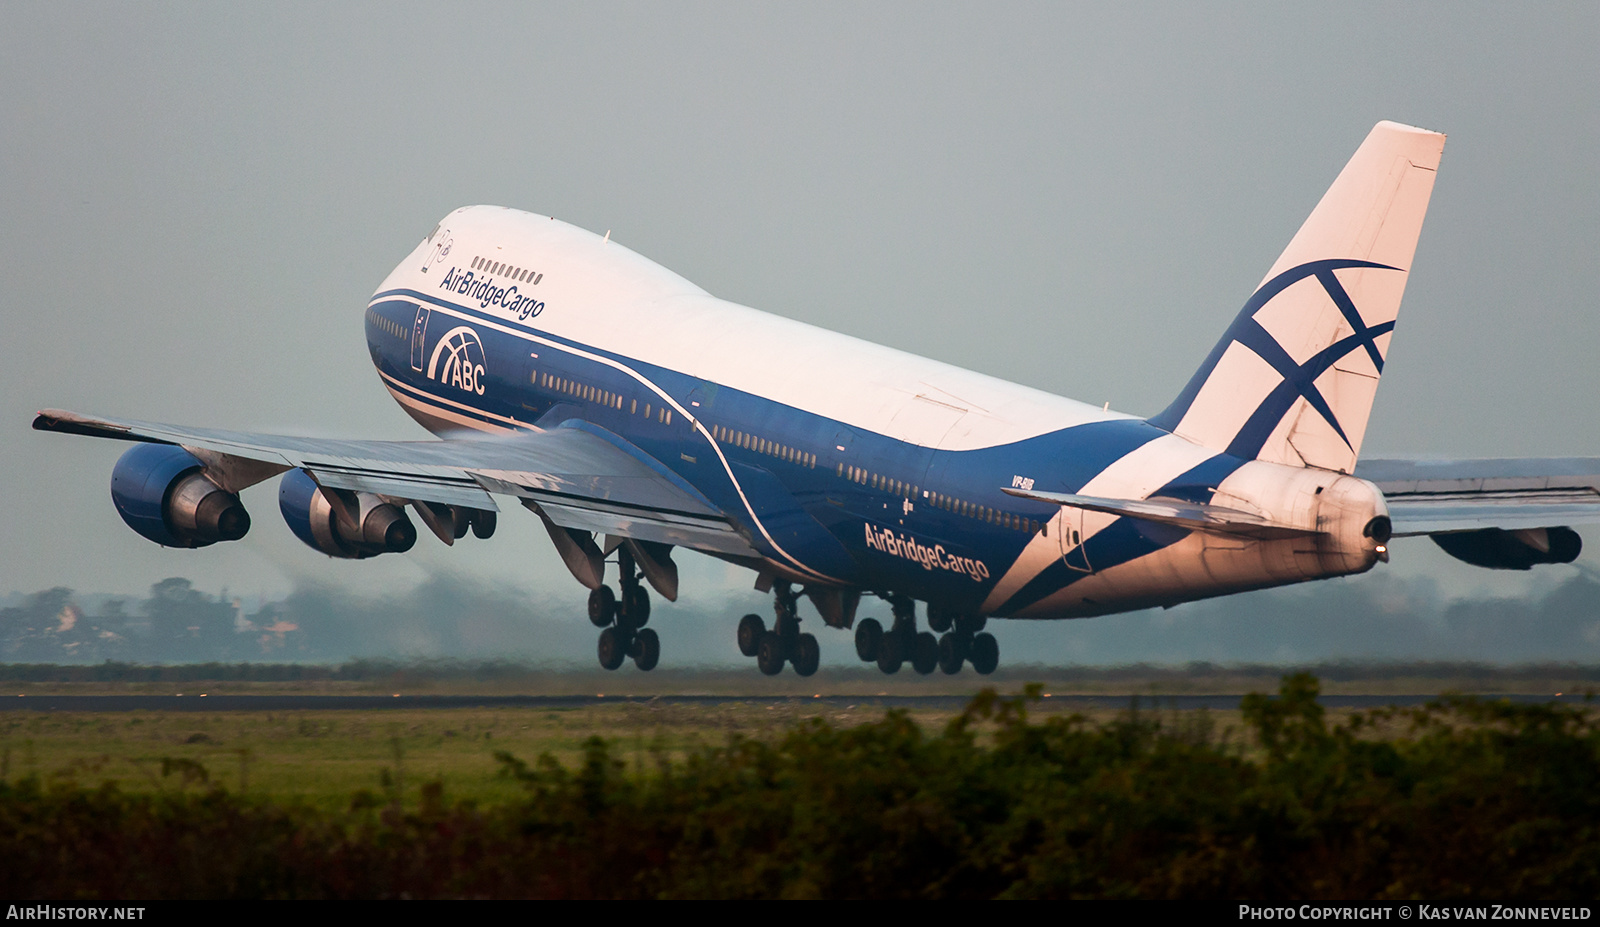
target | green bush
x=1473, y=798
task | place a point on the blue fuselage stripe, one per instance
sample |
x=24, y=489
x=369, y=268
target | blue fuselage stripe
x=851, y=516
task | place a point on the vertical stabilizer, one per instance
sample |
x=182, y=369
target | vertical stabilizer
x=1293, y=378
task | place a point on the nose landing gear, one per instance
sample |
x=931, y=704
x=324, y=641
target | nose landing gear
x=623, y=619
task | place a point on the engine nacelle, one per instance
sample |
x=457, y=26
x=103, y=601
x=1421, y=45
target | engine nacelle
x=1498, y=549
x=164, y=494
x=351, y=526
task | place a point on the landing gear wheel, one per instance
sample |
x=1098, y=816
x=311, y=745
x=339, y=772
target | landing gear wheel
x=891, y=653
x=985, y=654
x=951, y=654
x=970, y=624
x=869, y=638
x=939, y=620
x=602, y=607
x=807, y=655
x=770, y=654
x=647, y=650
x=613, y=649
x=924, y=653
x=751, y=629
x=638, y=606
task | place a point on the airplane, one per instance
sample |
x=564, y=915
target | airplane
x=634, y=413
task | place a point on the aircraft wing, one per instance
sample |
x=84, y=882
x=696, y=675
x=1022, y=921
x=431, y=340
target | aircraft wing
x=1445, y=496
x=580, y=477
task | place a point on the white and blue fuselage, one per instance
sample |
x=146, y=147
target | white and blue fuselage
x=842, y=462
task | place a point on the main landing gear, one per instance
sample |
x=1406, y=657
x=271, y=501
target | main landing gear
x=784, y=643
x=960, y=641
x=623, y=619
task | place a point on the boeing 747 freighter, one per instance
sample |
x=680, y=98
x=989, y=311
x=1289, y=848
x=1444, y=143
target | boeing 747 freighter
x=634, y=414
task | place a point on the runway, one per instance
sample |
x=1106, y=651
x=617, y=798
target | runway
x=204, y=702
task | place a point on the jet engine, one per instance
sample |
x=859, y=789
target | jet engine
x=163, y=493
x=1498, y=549
x=340, y=523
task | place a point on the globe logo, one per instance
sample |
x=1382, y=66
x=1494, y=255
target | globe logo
x=458, y=360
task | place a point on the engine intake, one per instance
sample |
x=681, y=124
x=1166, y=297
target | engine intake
x=163, y=493
x=340, y=523
x=1498, y=549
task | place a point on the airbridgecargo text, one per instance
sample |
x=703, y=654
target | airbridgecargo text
x=931, y=558
x=482, y=289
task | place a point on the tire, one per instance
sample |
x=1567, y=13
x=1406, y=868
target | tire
x=924, y=653
x=613, y=649
x=891, y=653
x=939, y=619
x=751, y=629
x=769, y=655
x=971, y=624
x=807, y=655
x=869, y=638
x=649, y=651
x=985, y=654
x=951, y=654
x=602, y=607
x=483, y=523
x=638, y=607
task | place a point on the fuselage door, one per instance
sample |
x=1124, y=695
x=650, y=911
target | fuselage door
x=1071, y=537
x=419, y=338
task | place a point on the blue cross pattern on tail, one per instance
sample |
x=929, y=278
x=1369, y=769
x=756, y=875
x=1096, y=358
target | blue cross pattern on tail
x=1299, y=380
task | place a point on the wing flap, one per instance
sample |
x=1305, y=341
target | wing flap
x=1197, y=516
x=467, y=494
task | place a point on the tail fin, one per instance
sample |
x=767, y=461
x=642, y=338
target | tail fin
x=1292, y=379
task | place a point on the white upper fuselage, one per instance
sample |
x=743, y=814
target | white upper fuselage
x=597, y=292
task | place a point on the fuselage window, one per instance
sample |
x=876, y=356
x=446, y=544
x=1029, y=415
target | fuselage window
x=635, y=409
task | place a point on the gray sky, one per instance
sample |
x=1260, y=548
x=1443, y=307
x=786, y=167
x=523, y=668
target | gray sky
x=199, y=199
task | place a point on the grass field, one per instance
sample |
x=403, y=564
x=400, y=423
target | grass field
x=326, y=757
x=1279, y=797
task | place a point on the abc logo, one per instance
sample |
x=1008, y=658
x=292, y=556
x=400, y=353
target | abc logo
x=458, y=360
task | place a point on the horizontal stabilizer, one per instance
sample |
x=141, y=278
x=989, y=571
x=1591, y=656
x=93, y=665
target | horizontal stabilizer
x=1447, y=496
x=1196, y=516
